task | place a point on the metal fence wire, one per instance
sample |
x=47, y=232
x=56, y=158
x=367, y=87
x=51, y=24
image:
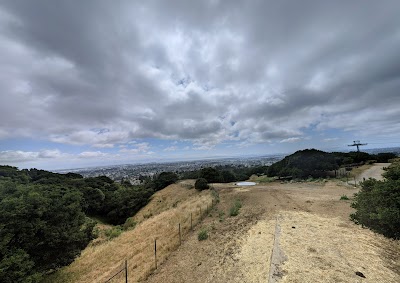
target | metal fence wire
x=202, y=214
x=125, y=268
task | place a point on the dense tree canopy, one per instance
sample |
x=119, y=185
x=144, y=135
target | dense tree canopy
x=43, y=226
x=212, y=175
x=316, y=163
x=43, y=217
x=304, y=163
x=164, y=179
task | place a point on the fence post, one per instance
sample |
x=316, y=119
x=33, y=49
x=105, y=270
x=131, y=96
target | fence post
x=155, y=252
x=355, y=183
x=191, y=222
x=180, y=238
x=126, y=271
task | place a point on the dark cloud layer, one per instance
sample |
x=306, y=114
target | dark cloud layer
x=205, y=71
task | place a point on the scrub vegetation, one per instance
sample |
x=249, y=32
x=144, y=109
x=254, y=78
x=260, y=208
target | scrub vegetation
x=46, y=219
x=378, y=203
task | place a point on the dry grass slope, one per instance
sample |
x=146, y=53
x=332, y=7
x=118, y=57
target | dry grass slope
x=158, y=220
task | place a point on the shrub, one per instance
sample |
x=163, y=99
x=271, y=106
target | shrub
x=129, y=224
x=378, y=205
x=234, y=210
x=344, y=197
x=203, y=235
x=215, y=195
x=221, y=216
x=113, y=232
x=201, y=184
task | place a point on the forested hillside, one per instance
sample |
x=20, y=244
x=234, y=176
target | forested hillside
x=316, y=163
x=44, y=216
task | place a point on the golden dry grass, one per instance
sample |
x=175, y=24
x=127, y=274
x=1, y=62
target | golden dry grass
x=356, y=171
x=323, y=249
x=99, y=262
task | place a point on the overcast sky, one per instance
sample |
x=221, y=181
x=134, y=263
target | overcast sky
x=109, y=82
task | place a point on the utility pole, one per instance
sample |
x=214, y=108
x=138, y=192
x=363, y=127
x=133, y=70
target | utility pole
x=357, y=144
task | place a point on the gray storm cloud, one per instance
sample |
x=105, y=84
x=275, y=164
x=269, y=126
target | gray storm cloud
x=205, y=71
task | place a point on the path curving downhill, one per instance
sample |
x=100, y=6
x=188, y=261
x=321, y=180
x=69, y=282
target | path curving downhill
x=375, y=172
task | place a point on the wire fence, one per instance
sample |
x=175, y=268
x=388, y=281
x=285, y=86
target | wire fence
x=124, y=269
x=122, y=273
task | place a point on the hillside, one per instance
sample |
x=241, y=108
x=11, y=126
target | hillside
x=284, y=232
x=157, y=220
x=316, y=163
x=308, y=222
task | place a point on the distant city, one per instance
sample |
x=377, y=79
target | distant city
x=133, y=172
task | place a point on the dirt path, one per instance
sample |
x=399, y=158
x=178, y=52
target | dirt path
x=319, y=241
x=375, y=172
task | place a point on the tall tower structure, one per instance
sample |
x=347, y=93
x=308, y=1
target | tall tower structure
x=357, y=144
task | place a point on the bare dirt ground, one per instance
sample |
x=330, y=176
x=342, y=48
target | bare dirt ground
x=285, y=232
x=374, y=172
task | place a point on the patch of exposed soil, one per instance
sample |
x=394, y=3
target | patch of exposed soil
x=320, y=242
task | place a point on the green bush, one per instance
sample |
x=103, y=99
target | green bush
x=344, y=197
x=129, y=224
x=215, y=195
x=201, y=184
x=378, y=204
x=113, y=232
x=393, y=172
x=203, y=235
x=221, y=216
x=234, y=210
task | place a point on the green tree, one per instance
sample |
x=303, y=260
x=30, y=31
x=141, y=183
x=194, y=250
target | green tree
x=164, y=179
x=42, y=225
x=228, y=176
x=201, y=184
x=93, y=200
x=125, y=202
x=212, y=175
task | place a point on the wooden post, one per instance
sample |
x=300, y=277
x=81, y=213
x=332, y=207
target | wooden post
x=355, y=183
x=155, y=252
x=126, y=271
x=180, y=237
x=191, y=222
